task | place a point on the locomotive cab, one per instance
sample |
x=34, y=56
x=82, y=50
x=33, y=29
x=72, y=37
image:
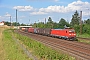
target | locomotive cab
x=71, y=34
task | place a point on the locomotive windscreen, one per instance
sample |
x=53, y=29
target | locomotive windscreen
x=71, y=31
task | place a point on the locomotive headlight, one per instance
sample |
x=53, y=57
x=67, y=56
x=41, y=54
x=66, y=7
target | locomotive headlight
x=69, y=34
x=74, y=34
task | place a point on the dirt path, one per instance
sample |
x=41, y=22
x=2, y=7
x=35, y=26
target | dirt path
x=2, y=52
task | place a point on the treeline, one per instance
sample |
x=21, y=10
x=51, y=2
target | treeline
x=75, y=23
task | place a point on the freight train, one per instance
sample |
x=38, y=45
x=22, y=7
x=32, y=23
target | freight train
x=66, y=33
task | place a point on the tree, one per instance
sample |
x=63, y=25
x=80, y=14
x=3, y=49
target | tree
x=75, y=19
x=14, y=24
x=87, y=21
x=55, y=25
x=7, y=23
x=23, y=24
x=49, y=23
x=50, y=20
x=86, y=29
x=40, y=24
x=62, y=23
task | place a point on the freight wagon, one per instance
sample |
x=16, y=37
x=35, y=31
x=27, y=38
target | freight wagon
x=43, y=31
x=31, y=30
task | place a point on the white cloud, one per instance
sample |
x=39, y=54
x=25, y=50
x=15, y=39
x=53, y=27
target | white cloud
x=23, y=8
x=51, y=9
x=77, y=5
x=38, y=13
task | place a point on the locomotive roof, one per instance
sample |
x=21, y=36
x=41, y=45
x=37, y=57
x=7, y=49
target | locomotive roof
x=63, y=29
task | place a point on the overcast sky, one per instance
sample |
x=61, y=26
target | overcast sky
x=30, y=11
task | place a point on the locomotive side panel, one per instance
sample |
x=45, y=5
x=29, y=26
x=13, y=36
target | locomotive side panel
x=58, y=33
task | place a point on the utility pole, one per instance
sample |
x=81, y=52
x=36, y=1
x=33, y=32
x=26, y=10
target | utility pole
x=35, y=24
x=45, y=20
x=45, y=23
x=29, y=21
x=38, y=24
x=16, y=18
x=80, y=22
x=10, y=21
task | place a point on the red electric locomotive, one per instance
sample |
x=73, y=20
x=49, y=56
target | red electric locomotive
x=67, y=33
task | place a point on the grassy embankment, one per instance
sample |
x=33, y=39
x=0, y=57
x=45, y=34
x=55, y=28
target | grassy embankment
x=12, y=51
x=42, y=51
x=2, y=51
x=84, y=36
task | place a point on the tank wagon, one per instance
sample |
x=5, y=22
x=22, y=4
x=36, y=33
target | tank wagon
x=67, y=33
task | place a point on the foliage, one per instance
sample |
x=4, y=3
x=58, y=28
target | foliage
x=56, y=25
x=77, y=28
x=84, y=35
x=50, y=23
x=75, y=19
x=86, y=29
x=7, y=23
x=87, y=21
x=40, y=25
x=62, y=23
x=13, y=24
x=23, y=24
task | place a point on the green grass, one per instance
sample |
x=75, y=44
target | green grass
x=83, y=35
x=84, y=41
x=13, y=51
x=42, y=51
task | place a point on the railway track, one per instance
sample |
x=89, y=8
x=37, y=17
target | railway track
x=78, y=50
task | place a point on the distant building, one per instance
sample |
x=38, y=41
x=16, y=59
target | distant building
x=2, y=23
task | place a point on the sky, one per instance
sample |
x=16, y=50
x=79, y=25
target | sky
x=31, y=11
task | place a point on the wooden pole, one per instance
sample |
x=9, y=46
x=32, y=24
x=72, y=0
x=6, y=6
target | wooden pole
x=80, y=22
